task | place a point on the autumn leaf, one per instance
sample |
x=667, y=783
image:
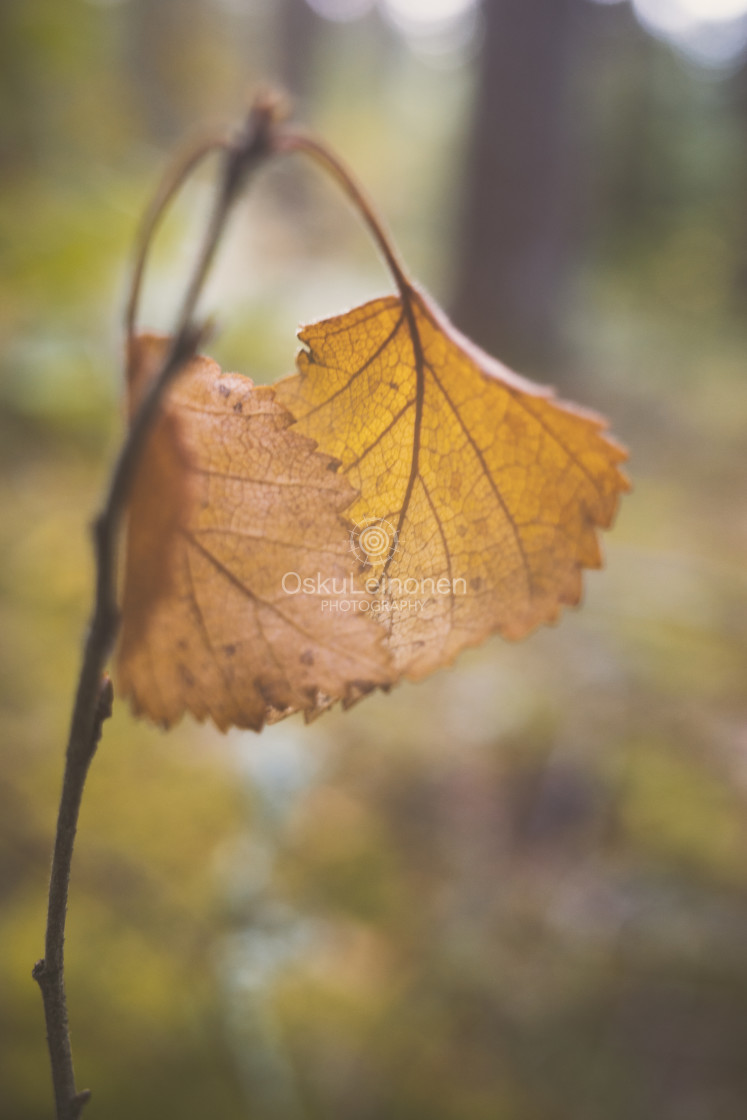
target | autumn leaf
x=479, y=494
x=226, y=503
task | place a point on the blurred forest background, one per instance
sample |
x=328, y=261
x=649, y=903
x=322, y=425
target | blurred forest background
x=517, y=891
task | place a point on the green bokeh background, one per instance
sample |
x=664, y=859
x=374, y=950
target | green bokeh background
x=517, y=890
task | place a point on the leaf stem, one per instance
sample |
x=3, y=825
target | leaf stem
x=292, y=140
x=175, y=177
x=93, y=698
x=288, y=139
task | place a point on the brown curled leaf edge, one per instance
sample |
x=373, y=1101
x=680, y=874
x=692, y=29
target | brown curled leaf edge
x=231, y=514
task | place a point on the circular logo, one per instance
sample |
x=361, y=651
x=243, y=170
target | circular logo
x=373, y=541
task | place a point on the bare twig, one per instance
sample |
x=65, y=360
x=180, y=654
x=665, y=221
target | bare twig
x=172, y=183
x=93, y=699
x=287, y=140
x=259, y=138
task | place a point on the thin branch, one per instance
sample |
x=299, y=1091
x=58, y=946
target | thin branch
x=49, y=971
x=93, y=695
x=259, y=138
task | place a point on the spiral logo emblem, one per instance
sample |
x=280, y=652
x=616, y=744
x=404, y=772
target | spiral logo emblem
x=374, y=541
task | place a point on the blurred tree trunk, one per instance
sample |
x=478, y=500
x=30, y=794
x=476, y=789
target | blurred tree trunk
x=18, y=126
x=162, y=44
x=740, y=271
x=297, y=32
x=517, y=235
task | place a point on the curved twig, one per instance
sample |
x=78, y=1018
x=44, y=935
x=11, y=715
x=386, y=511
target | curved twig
x=260, y=137
x=294, y=140
x=174, y=179
x=93, y=695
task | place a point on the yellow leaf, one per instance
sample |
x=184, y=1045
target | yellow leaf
x=479, y=494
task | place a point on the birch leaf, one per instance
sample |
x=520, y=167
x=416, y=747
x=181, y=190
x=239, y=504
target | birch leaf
x=479, y=494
